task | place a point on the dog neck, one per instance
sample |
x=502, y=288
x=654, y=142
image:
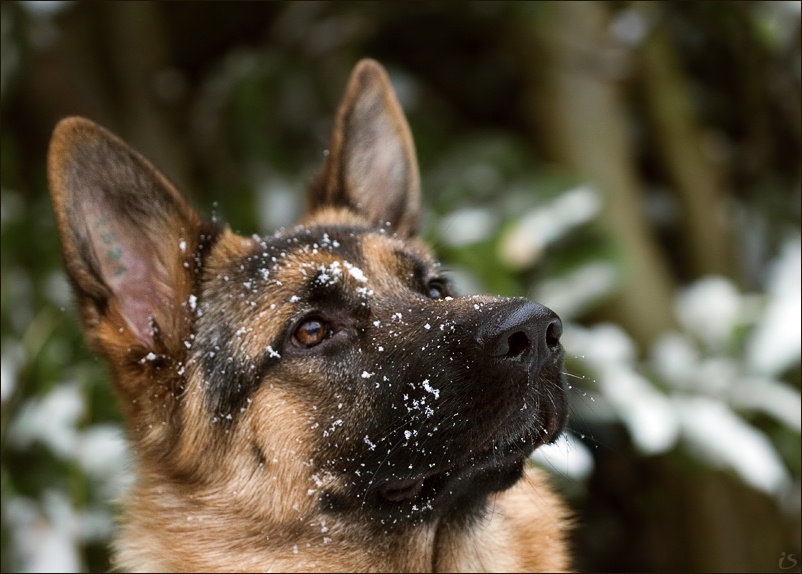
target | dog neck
x=167, y=528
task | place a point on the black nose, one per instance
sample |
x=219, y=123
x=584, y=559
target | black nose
x=520, y=329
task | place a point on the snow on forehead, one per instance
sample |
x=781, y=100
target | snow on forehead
x=331, y=273
x=307, y=253
x=329, y=254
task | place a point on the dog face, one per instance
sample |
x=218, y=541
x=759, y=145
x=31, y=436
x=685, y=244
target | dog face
x=326, y=370
x=413, y=401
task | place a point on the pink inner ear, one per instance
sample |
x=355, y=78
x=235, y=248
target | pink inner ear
x=130, y=267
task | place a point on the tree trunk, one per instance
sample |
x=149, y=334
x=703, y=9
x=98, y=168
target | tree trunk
x=576, y=99
x=697, y=181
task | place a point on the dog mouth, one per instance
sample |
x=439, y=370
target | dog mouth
x=415, y=488
x=460, y=487
x=401, y=490
x=447, y=482
x=489, y=461
x=439, y=489
x=454, y=475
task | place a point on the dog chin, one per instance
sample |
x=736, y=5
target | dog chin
x=459, y=490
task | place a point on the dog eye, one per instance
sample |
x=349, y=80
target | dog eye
x=311, y=332
x=435, y=289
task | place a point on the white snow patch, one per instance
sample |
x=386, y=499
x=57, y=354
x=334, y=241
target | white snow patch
x=329, y=274
x=355, y=272
x=567, y=456
x=468, y=226
x=525, y=242
x=725, y=439
x=676, y=359
x=774, y=398
x=711, y=309
x=428, y=388
x=774, y=345
x=648, y=413
x=46, y=540
x=364, y=292
x=578, y=289
x=333, y=427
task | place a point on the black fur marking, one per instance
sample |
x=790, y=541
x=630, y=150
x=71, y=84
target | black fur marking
x=421, y=272
x=458, y=495
x=230, y=378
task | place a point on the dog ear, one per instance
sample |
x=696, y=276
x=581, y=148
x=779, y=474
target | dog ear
x=130, y=241
x=371, y=167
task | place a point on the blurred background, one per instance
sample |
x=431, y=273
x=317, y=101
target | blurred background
x=634, y=166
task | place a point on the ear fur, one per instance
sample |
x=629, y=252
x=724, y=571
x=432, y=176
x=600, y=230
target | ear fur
x=371, y=168
x=131, y=243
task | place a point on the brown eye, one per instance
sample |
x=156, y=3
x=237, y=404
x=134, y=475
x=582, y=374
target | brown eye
x=312, y=332
x=435, y=290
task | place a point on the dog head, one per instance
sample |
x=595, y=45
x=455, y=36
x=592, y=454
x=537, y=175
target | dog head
x=326, y=369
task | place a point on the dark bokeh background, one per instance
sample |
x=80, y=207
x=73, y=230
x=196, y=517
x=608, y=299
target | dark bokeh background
x=635, y=166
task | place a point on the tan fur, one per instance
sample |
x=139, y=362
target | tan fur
x=229, y=478
x=525, y=533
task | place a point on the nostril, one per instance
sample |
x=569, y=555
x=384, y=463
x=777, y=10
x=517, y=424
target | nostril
x=553, y=333
x=520, y=331
x=518, y=344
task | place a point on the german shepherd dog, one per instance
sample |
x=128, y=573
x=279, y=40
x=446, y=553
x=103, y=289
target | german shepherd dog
x=316, y=399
